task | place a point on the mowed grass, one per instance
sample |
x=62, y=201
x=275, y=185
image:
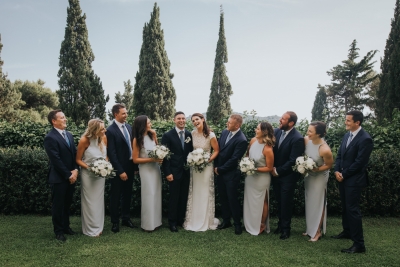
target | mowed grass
x=29, y=241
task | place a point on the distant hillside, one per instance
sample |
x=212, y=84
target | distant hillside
x=270, y=119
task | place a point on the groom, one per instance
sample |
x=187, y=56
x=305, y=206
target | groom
x=179, y=142
x=290, y=145
x=232, y=146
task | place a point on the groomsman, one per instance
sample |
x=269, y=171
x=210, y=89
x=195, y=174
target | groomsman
x=233, y=145
x=119, y=152
x=63, y=172
x=179, y=142
x=289, y=146
x=351, y=173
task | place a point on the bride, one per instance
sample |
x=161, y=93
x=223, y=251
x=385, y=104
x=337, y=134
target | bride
x=201, y=200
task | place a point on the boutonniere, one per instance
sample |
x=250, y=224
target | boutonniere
x=188, y=139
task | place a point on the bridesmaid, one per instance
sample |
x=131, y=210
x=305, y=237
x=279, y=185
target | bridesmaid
x=92, y=145
x=256, y=188
x=315, y=183
x=144, y=140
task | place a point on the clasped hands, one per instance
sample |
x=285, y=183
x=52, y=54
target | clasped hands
x=73, y=177
x=339, y=177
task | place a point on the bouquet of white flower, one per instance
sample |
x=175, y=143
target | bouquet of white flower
x=304, y=164
x=247, y=166
x=198, y=159
x=102, y=168
x=160, y=152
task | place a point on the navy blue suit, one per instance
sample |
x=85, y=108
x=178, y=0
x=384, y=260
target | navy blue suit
x=62, y=162
x=179, y=187
x=118, y=153
x=285, y=184
x=352, y=163
x=228, y=178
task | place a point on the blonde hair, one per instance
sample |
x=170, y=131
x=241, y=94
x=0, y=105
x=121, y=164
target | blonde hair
x=93, y=129
x=237, y=118
x=267, y=131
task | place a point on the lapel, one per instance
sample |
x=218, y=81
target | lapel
x=62, y=140
x=288, y=136
x=355, y=139
x=230, y=141
x=176, y=139
x=116, y=128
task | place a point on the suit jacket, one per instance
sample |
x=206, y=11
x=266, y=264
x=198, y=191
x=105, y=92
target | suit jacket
x=118, y=151
x=175, y=165
x=230, y=153
x=352, y=161
x=61, y=156
x=285, y=156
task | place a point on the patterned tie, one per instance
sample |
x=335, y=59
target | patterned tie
x=229, y=137
x=182, y=139
x=281, y=138
x=127, y=139
x=66, y=138
x=349, y=140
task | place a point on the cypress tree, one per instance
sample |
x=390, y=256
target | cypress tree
x=125, y=98
x=219, y=105
x=81, y=92
x=388, y=95
x=319, y=109
x=349, y=82
x=10, y=98
x=154, y=94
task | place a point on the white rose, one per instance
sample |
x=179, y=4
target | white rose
x=199, y=150
x=243, y=169
x=300, y=160
x=301, y=169
x=103, y=173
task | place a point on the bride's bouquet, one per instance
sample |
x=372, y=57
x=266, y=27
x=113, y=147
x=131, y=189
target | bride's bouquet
x=247, y=166
x=304, y=164
x=198, y=159
x=102, y=168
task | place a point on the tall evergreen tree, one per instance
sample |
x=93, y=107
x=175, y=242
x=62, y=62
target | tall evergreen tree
x=219, y=105
x=349, y=81
x=154, y=94
x=388, y=95
x=319, y=110
x=10, y=98
x=81, y=92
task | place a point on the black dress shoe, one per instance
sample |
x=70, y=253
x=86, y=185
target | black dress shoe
x=173, y=228
x=284, y=235
x=277, y=231
x=61, y=238
x=115, y=227
x=238, y=230
x=224, y=225
x=128, y=223
x=342, y=235
x=69, y=232
x=354, y=249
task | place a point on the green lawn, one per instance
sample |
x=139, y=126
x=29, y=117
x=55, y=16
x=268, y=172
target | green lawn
x=29, y=241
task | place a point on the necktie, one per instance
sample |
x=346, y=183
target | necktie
x=182, y=138
x=349, y=140
x=66, y=138
x=229, y=137
x=281, y=138
x=127, y=139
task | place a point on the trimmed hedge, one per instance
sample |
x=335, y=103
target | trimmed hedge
x=24, y=188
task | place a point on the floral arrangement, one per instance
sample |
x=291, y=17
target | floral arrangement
x=160, y=152
x=247, y=166
x=198, y=159
x=102, y=168
x=304, y=164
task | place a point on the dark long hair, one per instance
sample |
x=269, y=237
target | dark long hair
x=206, y=130
x=139, y=130
x=268, y=133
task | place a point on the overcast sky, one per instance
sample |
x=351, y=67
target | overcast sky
x=278, y=50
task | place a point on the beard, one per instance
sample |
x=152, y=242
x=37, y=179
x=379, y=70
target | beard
x=284, y=127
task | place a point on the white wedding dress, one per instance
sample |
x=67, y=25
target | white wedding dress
x=200, y=210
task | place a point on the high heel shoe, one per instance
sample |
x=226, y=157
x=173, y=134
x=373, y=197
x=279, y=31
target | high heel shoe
x=304, y=234
x=315, y=239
